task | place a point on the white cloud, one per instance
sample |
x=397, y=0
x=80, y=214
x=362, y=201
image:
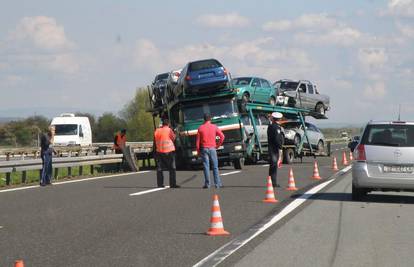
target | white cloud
x=147, y=56
x=42, y=32
x=344, y=36
x=372, y=58
x=306, y=21
x=401, y=8
x=375, y=91
x=229, y=20
x=406, y=30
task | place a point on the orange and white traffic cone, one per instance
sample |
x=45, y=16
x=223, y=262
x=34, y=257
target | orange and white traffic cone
x=270, y=193
x=216, y=226
x=351, y=157
x=19, y=263
x=291, y=183
x=334, y=164
x=344, y=160
x=316, y=175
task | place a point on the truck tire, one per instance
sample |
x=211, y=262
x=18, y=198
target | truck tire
x=238, y=163
x=288, y=155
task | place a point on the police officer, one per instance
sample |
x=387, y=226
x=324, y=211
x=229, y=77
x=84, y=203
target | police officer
x=165, y=153
x=275, y=142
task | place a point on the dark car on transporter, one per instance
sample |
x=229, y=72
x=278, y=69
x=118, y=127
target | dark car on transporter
x=202, y=77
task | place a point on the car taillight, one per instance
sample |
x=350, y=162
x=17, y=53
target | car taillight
x=360, y=152
x=188, y=77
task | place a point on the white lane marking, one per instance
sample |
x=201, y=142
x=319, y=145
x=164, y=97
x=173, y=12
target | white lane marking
x=265, y=165
x=72, y=181
x=149, y=191
x=226, y=250
x=229, y=173
x=1, y=226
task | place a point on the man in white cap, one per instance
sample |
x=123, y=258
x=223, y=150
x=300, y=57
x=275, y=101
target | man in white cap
x=275, y=142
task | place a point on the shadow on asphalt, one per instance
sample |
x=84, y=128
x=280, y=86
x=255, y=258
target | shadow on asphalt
x=377, y=197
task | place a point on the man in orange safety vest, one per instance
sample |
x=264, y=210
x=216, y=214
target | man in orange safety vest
x=165, y=153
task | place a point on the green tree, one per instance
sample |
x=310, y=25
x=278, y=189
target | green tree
x=108, y=124
x=140, y=125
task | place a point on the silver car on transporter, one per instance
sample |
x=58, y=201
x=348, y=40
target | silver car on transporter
x=384, y=158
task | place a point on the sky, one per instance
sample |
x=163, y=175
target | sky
x=90, y=56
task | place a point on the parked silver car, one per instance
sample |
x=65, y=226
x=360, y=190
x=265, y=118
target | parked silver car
x=384, y=158
x=302, y=94
x=294, y=134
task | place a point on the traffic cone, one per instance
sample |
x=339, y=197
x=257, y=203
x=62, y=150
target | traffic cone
x=216, y=226
x=351, y=157
x=270, y=193
x=316, y=175
x=344, y=160
x=334, y=164
x=291, y=183
x=19, y=263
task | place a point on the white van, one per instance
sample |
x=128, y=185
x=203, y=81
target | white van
x=71, y=130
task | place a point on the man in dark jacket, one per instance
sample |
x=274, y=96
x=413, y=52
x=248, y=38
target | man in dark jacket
x=46, y=151
x=275, y=142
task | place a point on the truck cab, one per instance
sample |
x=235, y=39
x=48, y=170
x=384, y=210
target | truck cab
x=187, y=116
x=71, y=130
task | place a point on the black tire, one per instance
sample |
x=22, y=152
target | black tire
x=358, y=193
x=321, y=146
x=288, y=155
x=272, y=101
x=244, y=100
x=320, y=108
x=238, y=163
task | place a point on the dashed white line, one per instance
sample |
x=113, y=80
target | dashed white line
x=229, y=173
x=72, y=181
x=225, y=251
x=149, y=191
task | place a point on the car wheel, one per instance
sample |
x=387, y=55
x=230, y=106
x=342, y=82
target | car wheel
x=288, y=155
x=296, y=140
x=244, y=100
x=320, y=108
x=272, y=101
x=358, y=193
x=321, y=146
x=238, y=163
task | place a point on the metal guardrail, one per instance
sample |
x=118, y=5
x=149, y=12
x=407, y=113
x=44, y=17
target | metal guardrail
x=68, y=162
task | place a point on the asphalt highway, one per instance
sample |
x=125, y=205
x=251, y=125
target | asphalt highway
x=335, y=231
x=121, y=220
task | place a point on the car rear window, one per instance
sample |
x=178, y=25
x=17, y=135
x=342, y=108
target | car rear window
x=241, y=81
x=288, y=86
x=401, y=135
x=161, y=76
x=289, y=125
x=204, y=64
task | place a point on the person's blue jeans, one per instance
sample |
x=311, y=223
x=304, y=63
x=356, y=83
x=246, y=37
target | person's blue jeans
x=46, y=168
x=210, y=155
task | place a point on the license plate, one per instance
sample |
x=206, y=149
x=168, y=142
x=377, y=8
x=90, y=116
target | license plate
x=398, y=169
x=206, y=75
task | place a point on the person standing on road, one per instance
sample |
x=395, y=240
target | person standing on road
x=165, y=153
x=206, y=145
x=275, y=142
x=46, y=152
x=120, y=141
